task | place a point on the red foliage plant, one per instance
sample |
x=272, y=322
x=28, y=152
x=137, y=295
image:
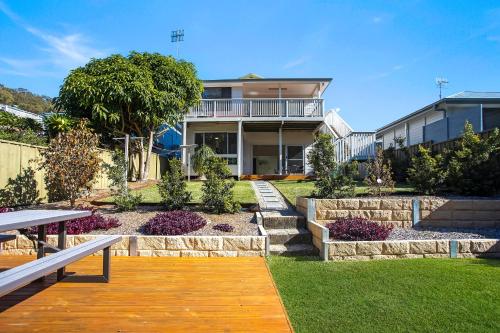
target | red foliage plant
x=223, y=227
x=84, y=225
x=358, y=229
x=176, y=222
x=6, y=209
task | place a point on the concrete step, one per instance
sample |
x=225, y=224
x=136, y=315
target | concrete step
x=293, y=250
x=273, y=220
x=289, y=236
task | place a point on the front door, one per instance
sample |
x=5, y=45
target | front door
x=294, y=159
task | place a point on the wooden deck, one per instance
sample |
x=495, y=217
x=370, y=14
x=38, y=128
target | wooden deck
x=275, y=177
x=149, y=294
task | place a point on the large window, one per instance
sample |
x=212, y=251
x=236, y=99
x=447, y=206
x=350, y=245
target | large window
x=217, y=93
x=222, y=143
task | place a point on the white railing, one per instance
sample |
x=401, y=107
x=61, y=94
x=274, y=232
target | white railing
x=20, y=112
x=355, y=146
x=258, y=107
x=338, y=124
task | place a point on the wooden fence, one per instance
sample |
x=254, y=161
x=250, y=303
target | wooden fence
x=15, y=156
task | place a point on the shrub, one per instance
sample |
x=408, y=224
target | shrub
x=473, y=168
x=358, y=229
x=25, y=130
x=332, y=180
x=399, y=162
x=123, y=199
x=83, y=225
x=172, y=187
x=218, y=196
x=58, y=123
x=223, y=227
x=20, y=191
x=425, y=173
x=71, y=162
x=379, y=179
x=200, y=158
x=6, y=209
x=176, y=222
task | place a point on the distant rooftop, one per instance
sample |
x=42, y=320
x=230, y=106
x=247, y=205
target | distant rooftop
x=461, y=97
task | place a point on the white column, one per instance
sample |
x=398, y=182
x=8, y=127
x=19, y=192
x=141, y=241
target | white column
x=239, y=148
x=184, y=142
x=280, y=149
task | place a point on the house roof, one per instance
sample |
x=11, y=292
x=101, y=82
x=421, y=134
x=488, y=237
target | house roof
x=248, y=78
x=463, y=97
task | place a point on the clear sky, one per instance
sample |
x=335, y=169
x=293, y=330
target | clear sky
x=383, y=56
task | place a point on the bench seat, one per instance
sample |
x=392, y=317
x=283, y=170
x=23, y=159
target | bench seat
x=20, y=276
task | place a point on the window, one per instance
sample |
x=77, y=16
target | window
x=222, y=143
x=217, y=93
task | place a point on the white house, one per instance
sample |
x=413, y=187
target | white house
x=262, y=126
x=444, y=119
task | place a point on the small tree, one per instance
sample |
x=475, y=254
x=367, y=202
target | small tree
x=379, y=179
x=217, y=190
x=332, y=180
x=71, y=162
x=20, y=191
x=473, y=168
x=200, y=158
x=123, y=198
x=172, y=187
x=425, y=173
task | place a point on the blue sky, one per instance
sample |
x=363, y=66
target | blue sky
x=383, y=56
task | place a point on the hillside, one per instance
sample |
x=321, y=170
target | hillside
x=25, y=99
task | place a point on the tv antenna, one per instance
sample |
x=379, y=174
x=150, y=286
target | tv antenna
x=441, y=82
x=176, y=37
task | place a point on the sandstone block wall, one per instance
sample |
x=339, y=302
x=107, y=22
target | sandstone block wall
x=459, y=213
x=468, y=248
x=301, y=205
x=394, y=212
x=170, y=246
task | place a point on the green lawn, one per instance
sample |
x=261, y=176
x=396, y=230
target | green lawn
x=415, y=295
x=243, y=193
x=292, y=189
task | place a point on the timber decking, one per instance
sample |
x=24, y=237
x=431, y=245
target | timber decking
x=275, y=177
x=149, y=294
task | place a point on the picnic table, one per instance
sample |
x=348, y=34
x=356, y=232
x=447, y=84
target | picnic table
x=19, y=276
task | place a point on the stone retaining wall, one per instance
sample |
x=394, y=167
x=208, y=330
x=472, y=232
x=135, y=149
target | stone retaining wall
x=168, y=246
x=405, y=213
x=466, y=248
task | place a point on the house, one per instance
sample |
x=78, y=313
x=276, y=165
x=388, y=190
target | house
x=444, y=119
x=261, y=126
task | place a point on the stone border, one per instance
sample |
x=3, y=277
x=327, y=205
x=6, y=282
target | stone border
x=409, y=249
x=157, y=246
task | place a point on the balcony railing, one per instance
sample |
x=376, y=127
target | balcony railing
x=355, y=146
x=262, y=107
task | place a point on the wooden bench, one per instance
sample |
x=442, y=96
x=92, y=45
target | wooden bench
x=20, y=276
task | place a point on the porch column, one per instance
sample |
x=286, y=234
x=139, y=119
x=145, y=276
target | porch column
x=184, y=143
x=280, y=149
x=239, y=149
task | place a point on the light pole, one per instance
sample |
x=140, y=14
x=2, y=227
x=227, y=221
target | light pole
x=176, y=37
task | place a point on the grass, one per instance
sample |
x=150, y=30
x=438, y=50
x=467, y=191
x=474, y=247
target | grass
x=416, y=295
x=243, y=193
x=292, y=189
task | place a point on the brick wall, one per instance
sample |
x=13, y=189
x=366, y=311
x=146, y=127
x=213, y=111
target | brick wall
x=169, y=246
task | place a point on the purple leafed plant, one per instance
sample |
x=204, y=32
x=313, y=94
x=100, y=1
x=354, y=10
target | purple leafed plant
x=176, y=222
x=6, y=209
x=358, y=229
x=84, y=225
x=223, y=227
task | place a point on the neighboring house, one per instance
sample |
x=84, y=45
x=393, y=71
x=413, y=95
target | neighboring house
x=21, y=113
x=444, y=119
x=262, y=126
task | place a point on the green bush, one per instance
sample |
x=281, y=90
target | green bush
x=425, y=173
x=399, y=162
x=473, y=168
x=332, y=180
x=200, y=158
x=58, y=123
x=123, y=199
x=379, y=179
x=20, y=191
x=24, y=130
x=218, y=196
x=172, y=187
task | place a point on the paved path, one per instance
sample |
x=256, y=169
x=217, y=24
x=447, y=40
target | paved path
x=149, y=294
x=269, y=197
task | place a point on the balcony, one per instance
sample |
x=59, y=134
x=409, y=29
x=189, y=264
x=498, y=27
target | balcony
x=258, y=108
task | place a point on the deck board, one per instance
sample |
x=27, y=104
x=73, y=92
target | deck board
x=150, y=294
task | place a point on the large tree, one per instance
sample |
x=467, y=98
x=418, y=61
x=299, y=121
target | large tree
x=131, y=95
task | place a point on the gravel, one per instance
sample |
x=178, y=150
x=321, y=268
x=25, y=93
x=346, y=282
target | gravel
x=132, y=222
x=443, y=233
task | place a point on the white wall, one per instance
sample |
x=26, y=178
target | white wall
x=416, y=130
x=237, y=92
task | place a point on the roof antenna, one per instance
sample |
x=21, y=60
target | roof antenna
x=441, y=82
